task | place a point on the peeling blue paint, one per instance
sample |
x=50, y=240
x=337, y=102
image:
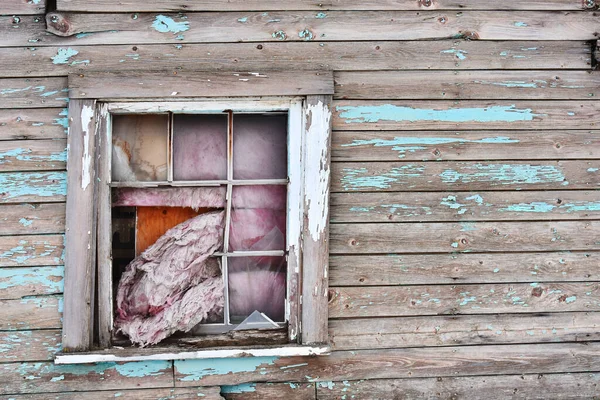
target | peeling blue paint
x=49, y=278
x=33, y=371
x=243, y=20
x=581, y=206
x=570, y=299
x=592, y=169
x=23, y=155
x=536, y=207
x=510, y=84
x=505, y=174
x=142, y=369
x=321, y=15
x=478, y=199
x=195, y=370
x=21, y=184
x=390, y=112
x=466, y=300
x=460, y=54
x=306, y=35
x=520, y=24
x=279, y=35
x=83, y=34
x=63, y=55
x=165, y=24
x=359, y=178
x=238, y=389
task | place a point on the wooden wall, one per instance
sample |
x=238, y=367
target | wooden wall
x=465, y=219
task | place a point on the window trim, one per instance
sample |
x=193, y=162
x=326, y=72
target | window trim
x=88, y=125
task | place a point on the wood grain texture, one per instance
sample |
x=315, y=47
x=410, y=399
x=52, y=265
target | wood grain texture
x=46, y=377
x=36, y=345
x=393, y=301
x=33, y=155
x=80, y=235
x=28, y=219
x=462, y=268
x=464, y=206
x=33, y=187
x=259, y=391
x=42, y=312
x=465, y=85
x=33, y=92
x=464, y=114
x=399, y=363
x=305, y=26
x=419, y=331
x=22, y=7
x=200, y=84
x=205, y=393
x=34, y=250
x=39, y=123
x=472, y=176
x=538, y=386
x=21, y=282
x=465, y=237
x=338, y=56
x=273, y=5
x=466, y=145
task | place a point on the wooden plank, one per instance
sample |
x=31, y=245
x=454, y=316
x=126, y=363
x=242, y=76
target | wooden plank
x=36, y=345
x=502, y=175
x=80, y=236
x=464, y=206
x=467, y=237
x=119, y=85
x=33, y=92
x=403, y=332
x=33, y=155
x=273, y=5
x=31, y=313
x=205, y=393
x=394, y=301
x=436, y=269
x=20, y=251
x=465, y=85
x=315, y=233
x=20, y=282
x=467, y=114
x=482, y=145
x=27, y=219
x=338, y=56
x=20, y=187
x=271, y=391
x=39, y=123
x=22, y=7
x=538, y=386
x=304, y=26
x=47, y=377
x=396, y=363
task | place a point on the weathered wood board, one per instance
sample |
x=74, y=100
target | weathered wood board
x=438, y=269
x=39, y=123
x=274, y=5
x=33, y=155
x=538, y=387
x=305, y=26
x=395, y=363
x=33, y=92
x=471, y=176
x=204, y=393
x=21, y=282
x=22, y=7
x=16, y=251
x=35, y=345
x=464, y=206
x=465, y=237
x=38, y=187
x=464, y=114
x=466, y=145
x=259, y=391
x=465, y=85
x=36, y=312
x=454, y=330
x=338, y=56
x=392, y=301
x=28, y=219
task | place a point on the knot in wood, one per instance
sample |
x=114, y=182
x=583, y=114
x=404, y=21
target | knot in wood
x=469, y=35
x=58, y=24
x=590, y=5
x=426, y=3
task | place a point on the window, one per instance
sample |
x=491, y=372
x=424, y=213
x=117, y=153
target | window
x=242, y=181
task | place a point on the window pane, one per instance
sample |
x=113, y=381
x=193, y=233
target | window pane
x=258, y=218
x=259, y=146
x=257, y=284
x=199, y=147
x=140, y=147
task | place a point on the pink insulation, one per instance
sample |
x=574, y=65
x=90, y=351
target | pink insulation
x=173, y=285
x=199, y=197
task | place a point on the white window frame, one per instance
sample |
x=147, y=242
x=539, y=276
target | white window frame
x=309, y=138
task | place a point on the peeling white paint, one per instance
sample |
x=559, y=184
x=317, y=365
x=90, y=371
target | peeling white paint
x=316, y=169
x=87, y=114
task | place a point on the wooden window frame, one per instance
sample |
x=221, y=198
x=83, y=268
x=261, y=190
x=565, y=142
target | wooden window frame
x=93, y=97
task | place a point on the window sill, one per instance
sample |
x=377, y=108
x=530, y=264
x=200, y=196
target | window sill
x=149, y=354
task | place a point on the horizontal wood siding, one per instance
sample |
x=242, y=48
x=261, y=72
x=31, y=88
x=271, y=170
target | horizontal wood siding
x=465, y=187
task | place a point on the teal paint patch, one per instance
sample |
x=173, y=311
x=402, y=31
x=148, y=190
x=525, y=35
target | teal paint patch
x=329, y=385
x=510, y=84
x=592, y=169
x=496, y=270
x=467, y=227
x=48, y=94
x=390, y=112
x=24, y=155
x=142, y=369
x=22, y=184
x=478, y=199
x=49, y=279
x=243, y=20
x=530, y=333
x=535, y=207
x=460, y=54
x=195, y=370
x=305, y=35
x=570, y=299
x=279, y=35
x=165, y=24
x=83, y=35
x=520, y=24
x=361, y=178
x=41, y=370
x=581, y=206
x=238, y=389
x=466, y=300
x=63, y=55
x=63, y=119
x=321, y=15
x=505, y=174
